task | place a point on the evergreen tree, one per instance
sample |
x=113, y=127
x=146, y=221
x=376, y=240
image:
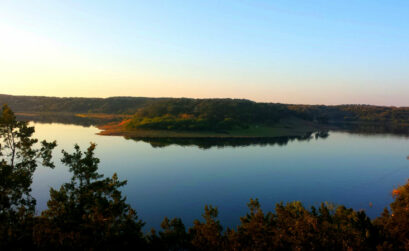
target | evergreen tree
x=89, y=212
x=19, y=160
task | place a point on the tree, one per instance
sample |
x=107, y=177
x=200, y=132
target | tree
x=89, y=211
x=395, y=224
x=172, y=237
x=255, y=231
x=19, y=160
x=207, y=235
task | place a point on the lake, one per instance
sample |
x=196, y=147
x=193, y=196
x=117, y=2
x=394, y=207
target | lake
x=178, y=180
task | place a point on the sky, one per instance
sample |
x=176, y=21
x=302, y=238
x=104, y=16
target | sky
x=303, y=52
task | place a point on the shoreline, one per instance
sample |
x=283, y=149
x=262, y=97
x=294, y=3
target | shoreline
x=255, y=132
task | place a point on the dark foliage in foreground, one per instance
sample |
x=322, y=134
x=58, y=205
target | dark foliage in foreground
x=18, y=161
x=90, y=213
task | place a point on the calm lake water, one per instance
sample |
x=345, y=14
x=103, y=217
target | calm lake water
x=177, y=181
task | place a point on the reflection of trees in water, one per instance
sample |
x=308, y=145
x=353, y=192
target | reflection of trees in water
x=370, y=129
x=323, y=134
x=207, y=143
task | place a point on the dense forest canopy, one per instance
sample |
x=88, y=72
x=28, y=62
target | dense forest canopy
x=206, y=114
x=361, y=113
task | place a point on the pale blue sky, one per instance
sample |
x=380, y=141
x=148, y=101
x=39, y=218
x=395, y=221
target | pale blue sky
x=315, y=52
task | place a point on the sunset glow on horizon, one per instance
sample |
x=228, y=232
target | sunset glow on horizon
x=320, y=52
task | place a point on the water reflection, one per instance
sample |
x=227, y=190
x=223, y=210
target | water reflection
x=372, y=129
x=177, y=181
x=207, y=143
x=202, y=143
x=399, y=129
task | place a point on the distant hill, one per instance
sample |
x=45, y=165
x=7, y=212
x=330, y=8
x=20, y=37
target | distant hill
x=197, y=113
x=38, y=104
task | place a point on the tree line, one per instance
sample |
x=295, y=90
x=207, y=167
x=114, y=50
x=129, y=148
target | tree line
x=206, y=114
x=90, y=213
x=39, y=104
x=229, y=114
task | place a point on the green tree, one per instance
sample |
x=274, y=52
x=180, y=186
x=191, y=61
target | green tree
x=19, y=160
x=89, y=212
